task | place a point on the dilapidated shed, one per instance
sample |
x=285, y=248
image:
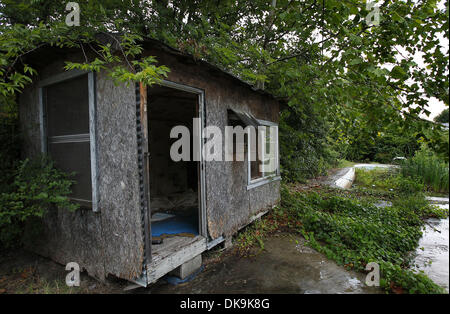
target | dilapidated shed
x=116, y=139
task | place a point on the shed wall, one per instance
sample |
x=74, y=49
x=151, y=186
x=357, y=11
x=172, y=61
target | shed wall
x=109, y=241
x=229, y=205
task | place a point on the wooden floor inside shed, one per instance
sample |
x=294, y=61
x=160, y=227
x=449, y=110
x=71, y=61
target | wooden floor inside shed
x=172, y=253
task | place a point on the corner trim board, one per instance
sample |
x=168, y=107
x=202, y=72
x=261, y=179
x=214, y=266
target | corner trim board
x=93, y=137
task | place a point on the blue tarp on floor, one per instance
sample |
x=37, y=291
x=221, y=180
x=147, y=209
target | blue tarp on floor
x=176, y=225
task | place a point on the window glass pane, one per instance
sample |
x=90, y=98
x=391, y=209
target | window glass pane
x=67, y=113
x=75, y=157
x=67, y=105
x=270, y=164
x=255, y=165
x=255, y=170
x=267, y=163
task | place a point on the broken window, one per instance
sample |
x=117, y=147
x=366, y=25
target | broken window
x=67, y=130
x=265, y=152
x=262, y=144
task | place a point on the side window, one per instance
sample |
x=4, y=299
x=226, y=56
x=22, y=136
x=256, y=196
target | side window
x=261, y=145
x=67, y=107
x=256, y=162
x=239, y=143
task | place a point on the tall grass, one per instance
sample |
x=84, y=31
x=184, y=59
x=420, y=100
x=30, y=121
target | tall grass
x=429, y=169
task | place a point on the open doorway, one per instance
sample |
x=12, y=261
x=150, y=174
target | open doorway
x=175, y=187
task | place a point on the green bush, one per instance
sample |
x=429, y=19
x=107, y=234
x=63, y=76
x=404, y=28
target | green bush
x=388, y=180
x=37, y=187
x=428, y=169
x=442, y=117
x=366, y=145
x=9, y=146
x=418, y=206
x=305, y=150
x=408, y=281
x=405, y=185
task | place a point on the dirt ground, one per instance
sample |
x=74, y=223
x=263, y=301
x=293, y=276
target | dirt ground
x=22, y=272
x=285, y=265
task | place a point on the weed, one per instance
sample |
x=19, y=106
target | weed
x=428, y=169
x=355, y=232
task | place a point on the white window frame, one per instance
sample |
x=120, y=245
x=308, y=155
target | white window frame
x=267, y=179
x=58, y=78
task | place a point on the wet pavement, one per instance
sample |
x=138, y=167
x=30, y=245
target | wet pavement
x=374, y=166
x=285, y=266
x=432, y=252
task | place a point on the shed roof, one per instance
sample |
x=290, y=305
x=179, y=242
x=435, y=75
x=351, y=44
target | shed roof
x=44, y=53
x=166, y=48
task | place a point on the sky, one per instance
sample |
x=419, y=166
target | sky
x=435, y=106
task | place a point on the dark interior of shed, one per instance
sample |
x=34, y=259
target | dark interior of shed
x=174, y=186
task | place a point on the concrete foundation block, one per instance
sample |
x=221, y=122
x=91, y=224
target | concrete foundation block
x=188, y=268
x=228, y=243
